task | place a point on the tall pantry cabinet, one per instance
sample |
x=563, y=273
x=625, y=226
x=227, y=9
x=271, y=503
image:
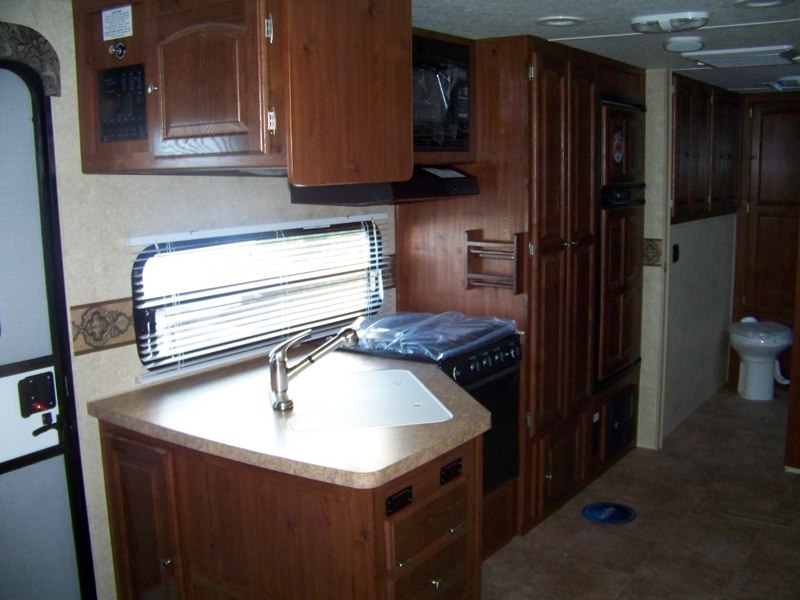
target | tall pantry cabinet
x=562, y=262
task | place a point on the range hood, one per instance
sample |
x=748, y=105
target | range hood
x=425, y=183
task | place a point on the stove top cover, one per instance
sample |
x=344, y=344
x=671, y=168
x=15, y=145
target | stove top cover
x=428, y=337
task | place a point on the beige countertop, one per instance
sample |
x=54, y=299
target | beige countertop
x=228, y=413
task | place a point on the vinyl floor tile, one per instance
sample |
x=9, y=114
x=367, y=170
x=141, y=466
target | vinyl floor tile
x=718, y=518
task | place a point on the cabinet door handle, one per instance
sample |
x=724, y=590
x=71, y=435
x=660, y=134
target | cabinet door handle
x=437, y=583
x=151, y=88
x=166, y=563
x=455, y=528
x=548, y=477
x=403, y=563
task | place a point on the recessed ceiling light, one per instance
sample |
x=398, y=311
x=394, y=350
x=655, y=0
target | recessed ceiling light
x=684, y=44
x=666, y=23
x=560, y=21
x=761, y=3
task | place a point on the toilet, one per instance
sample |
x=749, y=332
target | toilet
x=758, y=344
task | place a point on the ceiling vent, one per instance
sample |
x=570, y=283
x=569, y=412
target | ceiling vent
x=763, y=56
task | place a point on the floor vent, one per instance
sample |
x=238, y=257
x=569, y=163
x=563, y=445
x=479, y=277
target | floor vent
x=762, y=56
x=756, y=517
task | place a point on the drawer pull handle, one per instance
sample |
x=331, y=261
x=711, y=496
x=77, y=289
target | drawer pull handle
x=455, y=528
x=403, y=563
x=437, y=583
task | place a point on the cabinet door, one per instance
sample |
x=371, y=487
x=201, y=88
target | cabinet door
x=562, y=465
x=349, y=91
x=102, y=153
x=620, y=289
x=582, y=208
x=767, y=257
x=549, y=231
x=691, y=148
x=209, y=64
x=725, y=151
x=140, y=501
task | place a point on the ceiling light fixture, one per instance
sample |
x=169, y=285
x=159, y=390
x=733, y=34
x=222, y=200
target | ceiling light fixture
x=684, y=44
x=667, y=23
x=762, y=56
x=761, y=3
x=561, y=21
x=790, y=82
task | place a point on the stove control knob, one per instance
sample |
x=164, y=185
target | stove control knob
x=486, y=361
x=456, y=374
x=514, y=352
x=474, y=367
x=499, y=357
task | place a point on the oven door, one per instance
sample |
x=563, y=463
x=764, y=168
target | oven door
x=498, y=394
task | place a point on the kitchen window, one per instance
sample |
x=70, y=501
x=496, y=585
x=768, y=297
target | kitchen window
x=198, y=300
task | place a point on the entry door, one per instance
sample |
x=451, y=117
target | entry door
x=38, y=553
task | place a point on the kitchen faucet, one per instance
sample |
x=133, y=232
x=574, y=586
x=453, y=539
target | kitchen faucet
x=280, y=373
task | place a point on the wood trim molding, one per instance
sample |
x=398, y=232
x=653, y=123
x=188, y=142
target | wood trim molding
x=27, y=46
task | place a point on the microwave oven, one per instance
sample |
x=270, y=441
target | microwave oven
x=441, y=82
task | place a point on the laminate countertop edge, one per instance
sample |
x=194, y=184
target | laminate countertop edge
x=227, y=413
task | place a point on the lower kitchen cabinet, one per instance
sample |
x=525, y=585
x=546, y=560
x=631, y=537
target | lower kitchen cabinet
x=139, y=487
x=561, y=464
x=567, y=457
x=188, y=524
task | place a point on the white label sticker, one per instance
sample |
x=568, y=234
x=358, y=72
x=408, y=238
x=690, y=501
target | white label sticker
x=117, y=23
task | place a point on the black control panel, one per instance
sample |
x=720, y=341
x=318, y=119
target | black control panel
x=122, y=108
x=485, y=362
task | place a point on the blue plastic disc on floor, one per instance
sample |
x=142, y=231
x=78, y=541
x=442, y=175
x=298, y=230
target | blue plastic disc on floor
x=609, y=513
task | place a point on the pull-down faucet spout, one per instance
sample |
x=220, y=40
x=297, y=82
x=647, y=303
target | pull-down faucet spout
x=280, y=373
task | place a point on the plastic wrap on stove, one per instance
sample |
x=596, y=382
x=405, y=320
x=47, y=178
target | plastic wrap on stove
x=429, y=337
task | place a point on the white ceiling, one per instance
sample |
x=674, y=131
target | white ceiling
x=607, y=32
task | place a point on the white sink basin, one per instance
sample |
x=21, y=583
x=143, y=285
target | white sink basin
x=387, y=398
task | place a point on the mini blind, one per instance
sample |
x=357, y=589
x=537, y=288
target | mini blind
x=197, y=300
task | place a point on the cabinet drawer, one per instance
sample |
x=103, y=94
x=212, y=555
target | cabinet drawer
x=444, y=575
x=445, y=515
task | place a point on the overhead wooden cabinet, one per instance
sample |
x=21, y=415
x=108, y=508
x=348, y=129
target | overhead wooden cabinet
x=706, y=155
x=725, y=158
x=248, y=86
x=350, y=103
x=691, y=148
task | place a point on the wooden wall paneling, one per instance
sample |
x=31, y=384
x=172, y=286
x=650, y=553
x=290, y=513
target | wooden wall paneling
x=431, y=256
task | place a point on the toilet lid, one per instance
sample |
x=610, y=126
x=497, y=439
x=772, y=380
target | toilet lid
x=762, y=330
